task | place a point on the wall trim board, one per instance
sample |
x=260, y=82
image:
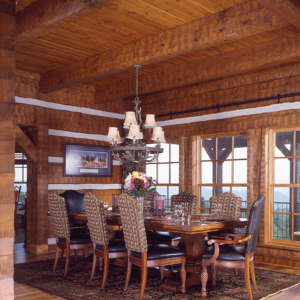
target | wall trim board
x=57, y=106
x=60, y=160
x=87, y=186
x=78, y=135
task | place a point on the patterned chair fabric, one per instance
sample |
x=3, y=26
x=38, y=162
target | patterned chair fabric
x=231, y=205
x=96, y=219
x=185, y=197
x=59, y=215
x=149, y=196
x=133, y=224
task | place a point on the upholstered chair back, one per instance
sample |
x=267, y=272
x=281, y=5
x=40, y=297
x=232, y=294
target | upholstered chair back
x=253, y=223
x=74, y=200
x=185, y=196
x=133, y=224
x=149, y=196
x=231, y=205
x=96, y=219
x=59, y=215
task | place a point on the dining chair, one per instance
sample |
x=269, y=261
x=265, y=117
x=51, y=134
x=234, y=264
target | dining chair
x=149, y=196
x=139, y=253
x=17, y=191
x=102, y=247
x=185, y=197
x=225, y=254
x=65, y=237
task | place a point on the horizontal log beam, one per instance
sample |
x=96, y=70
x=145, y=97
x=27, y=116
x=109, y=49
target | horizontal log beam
x=230, y=25
x=43, y=16
x=26, y=144
x=288, y=10
x=257, y=57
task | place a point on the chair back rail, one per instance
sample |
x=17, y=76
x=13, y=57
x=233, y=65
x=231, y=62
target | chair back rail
x=96, y=219
x=133, y=224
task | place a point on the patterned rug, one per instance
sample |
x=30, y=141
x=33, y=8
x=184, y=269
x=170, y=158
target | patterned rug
x=77, y=286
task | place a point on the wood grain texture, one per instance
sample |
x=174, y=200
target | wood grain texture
x=26, y=144
x=288, y=10
x=244, y=21
x=41, y=17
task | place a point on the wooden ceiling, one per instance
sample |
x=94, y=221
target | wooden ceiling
x=96, y=42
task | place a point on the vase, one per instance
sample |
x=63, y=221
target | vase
x=141, y=200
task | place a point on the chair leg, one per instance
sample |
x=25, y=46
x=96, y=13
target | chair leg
x=67, y=259
x=127, y=274
x=76, y=255
x=85, y=252
x=162, y=273
x=56, y=257
x=204, y=276
x=214, y=275
x=101, y=263
x=62, y=254
x=94, y=265
x=247, y=279
x=253, y=276
x=144, y=275
x=183, y=278
x=235, y=271
x=105, y=270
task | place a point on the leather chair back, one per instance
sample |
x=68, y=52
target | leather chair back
x=253, y=223
x=74, y=200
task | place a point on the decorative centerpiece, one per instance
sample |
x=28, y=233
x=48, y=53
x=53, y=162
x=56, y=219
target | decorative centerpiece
x=137, y=184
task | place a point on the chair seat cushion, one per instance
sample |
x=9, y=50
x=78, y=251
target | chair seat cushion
x=227, y=253
x=77, y=237
x=161, y=252
x=163, y=237
x=114, y=246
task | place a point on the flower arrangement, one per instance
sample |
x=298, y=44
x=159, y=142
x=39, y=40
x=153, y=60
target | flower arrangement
x=138, y=183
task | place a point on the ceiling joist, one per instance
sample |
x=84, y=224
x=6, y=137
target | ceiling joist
x=43, y=16
x=230, y=25
x=268, y=54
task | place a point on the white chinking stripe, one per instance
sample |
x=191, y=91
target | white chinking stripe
x=78, y=135
x=87, y=186
x=79, y=109
x=60, y=160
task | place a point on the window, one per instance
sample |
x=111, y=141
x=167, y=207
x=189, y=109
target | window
x=166, y=171
x=21, y=174
x=285, y=185
x=222, y=167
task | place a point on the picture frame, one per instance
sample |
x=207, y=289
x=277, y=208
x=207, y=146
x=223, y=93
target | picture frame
x=87, y=160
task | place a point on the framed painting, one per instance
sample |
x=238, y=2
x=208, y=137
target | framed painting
x=87, y=160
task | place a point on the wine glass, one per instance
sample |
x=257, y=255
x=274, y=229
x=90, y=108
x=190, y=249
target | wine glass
x=148, y=207
x=218, y=209
x=105, y=206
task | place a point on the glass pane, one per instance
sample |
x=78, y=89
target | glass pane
x=297, y=170
x=297, y=200
x=225, y=189
x=205, y=193
x=25, y=174
x=284, y=144
x=241, y=192
x=207, y=172
x=283, y=170
x=175, y=152
x=151, y=171
x=162, y=190
x=175, y=173
x=23, y=192
x=240, y=146
x=173, y=190
x=224, y=172
x=164, y=157
x=281, y=199
x=240, y=171
x=296, y=228
x=208, y=149
x=281, y=227
x=18, y=174
x=163, y=173
x=224, y=148
x=297, y=150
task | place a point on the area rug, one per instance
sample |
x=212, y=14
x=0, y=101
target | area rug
x=77, y=286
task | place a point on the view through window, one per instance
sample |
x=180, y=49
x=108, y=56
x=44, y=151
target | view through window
x=166, y=171
x=21, y=174
x=223, y=168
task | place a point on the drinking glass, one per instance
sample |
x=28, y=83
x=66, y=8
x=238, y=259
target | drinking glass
x=177, y=210
x=148, y=207
x=105, y=206
x=218, y=209
x=185, y=209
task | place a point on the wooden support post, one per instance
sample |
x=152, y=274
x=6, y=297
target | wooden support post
x=7, y=147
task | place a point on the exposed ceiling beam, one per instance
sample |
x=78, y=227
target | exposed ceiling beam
x=288, y=10
x=268, y=54
x=214, y=30
x=43, y=16
x=25, y=144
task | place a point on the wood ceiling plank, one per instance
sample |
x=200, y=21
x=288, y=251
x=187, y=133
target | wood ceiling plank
x=268, y=54
x=44, y=16
x=233, y=24
x=288, y=10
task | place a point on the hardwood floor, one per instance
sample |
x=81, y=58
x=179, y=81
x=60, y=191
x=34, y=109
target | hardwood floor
x=24, y=292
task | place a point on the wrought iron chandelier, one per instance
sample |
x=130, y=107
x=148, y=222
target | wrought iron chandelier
x=137, y=135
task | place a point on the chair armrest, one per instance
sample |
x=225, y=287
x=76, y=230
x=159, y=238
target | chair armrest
x=226, y=235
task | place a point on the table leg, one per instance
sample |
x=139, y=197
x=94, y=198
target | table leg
x=194, y=246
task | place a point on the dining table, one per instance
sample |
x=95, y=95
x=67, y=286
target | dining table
x=192, y=240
